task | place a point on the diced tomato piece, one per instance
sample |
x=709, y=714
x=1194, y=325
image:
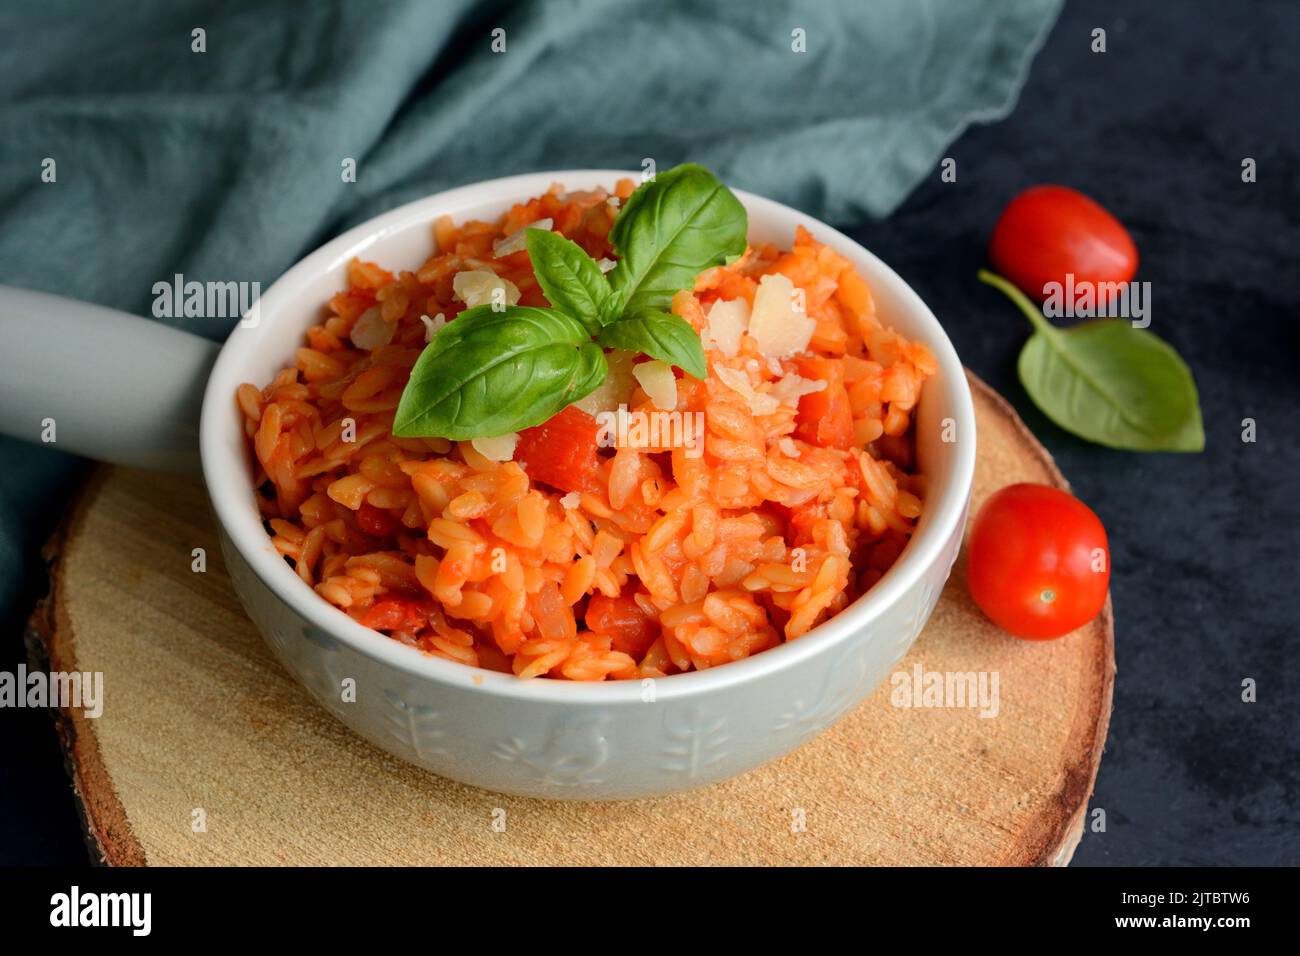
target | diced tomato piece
x=375, y=521
x=800, y=524
x=561, y=452
x=621, y=619
x=825, y=418
x=396, y=614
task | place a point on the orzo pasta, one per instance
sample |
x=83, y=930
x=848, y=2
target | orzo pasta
x=545, y=554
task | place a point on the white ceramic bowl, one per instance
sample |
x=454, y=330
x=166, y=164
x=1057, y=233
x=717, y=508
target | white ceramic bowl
x=552, y=738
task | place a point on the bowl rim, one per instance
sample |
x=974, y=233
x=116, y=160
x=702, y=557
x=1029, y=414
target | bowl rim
x=229, y=485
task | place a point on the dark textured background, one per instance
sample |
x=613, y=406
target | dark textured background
x=1204, y=546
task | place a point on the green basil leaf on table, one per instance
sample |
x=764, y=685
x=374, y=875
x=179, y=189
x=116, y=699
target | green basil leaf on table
x=488, y=373
x=1108, y=382
x=659, y=335
x=571, y=280
x=671, y=229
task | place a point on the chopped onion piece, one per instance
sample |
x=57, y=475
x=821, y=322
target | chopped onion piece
x=370, y=331
x=570, y=501
x=517, y=241
x=659, y=383
x=498, y=447
x=605, y=265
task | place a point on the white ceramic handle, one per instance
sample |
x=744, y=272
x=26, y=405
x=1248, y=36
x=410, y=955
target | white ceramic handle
x=99, y=382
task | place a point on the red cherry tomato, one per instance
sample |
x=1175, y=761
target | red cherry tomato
x=1049, y=231
x=1039, y=563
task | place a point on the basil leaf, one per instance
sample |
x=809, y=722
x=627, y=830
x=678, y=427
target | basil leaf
x=668, y=338
x=671, y=229
x=488, y=373
x=613, y=308
x=1108, y=382
x=570, y=279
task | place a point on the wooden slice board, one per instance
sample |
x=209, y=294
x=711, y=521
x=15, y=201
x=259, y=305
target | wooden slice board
x=197, y=715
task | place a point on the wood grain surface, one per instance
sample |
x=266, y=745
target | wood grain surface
x=198, y=715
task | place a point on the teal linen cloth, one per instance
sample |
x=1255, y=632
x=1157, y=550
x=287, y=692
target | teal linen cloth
x=226, y=164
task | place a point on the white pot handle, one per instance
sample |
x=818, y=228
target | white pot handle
x=100, y=383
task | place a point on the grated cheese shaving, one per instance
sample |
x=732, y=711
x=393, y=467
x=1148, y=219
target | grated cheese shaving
x=474, y=287
x=498, y=447
x=724, y=325
x=617, y=388
x=517, y=241
x=659, y=383
x=778, y=330
x=789, y=389
x=738, y=382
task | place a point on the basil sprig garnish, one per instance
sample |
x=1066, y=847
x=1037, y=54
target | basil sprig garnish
x=571, y=280
x=1107, y=381
x=490, y=371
